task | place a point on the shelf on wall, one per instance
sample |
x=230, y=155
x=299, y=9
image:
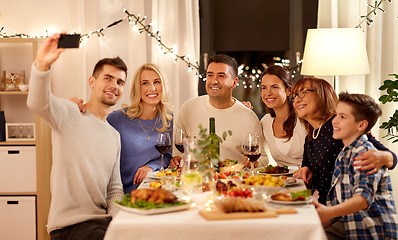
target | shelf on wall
x=13, y=93
x=18, y=143
x=3, y=194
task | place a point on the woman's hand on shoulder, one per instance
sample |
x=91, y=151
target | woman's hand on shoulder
x=79, y=103
x=373, y=160
x=247, y=104
x=141, y=174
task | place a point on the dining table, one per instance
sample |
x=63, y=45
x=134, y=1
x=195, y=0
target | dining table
x=189, y=224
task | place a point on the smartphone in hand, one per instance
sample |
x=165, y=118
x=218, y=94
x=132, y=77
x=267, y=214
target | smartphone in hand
x=69, y=41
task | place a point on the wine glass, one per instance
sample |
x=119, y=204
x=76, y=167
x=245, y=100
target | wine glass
x=162, y=145
x=180, y=135
x=251, y=150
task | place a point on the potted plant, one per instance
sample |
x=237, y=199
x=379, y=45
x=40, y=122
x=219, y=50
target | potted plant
x=391, y=87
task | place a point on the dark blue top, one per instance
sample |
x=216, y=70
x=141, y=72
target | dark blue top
x=137, y=150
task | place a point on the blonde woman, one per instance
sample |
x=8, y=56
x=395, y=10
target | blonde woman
x=139, y=125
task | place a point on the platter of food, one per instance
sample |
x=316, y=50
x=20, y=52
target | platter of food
x=167, y=172
x=290, y=202
x=154, y=210
x=277, y=170
x=292, y=198
x=151, y=201
x=229, y=165
x=264, y=183
x=291, y=181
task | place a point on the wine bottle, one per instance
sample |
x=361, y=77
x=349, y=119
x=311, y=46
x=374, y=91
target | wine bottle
x=215, y=141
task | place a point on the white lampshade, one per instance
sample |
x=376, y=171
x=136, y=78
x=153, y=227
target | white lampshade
x=335, y=52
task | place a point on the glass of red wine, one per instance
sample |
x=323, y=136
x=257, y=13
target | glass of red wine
x=163, y=144
x=251, y=150
x=180, y=135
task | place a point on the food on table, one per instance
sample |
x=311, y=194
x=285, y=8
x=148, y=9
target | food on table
x=232, y=190
x=243, y=193
x=274, y=169
x=224, y=187
x=231, y=175
x=229, y=165
x=155, y=184
x=282, y=197
x=227, y=162
x=158, y=196
x=233, y=204
x=264, y=180
x=292, y=196
x=173, y=172
x=149, y=199
x=290, y=180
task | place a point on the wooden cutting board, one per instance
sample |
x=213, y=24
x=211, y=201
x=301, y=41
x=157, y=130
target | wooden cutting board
x=220, y=215
x=285, y=210
x=216, y=214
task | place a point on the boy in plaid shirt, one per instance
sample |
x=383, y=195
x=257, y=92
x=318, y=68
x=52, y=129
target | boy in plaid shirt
x=359, y=206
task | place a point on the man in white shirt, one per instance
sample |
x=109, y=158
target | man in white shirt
x=85, y=175
x=229, y=113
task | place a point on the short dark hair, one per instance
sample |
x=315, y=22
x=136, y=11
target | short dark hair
x=116, y=62
x=230, y=61
x=363, y=106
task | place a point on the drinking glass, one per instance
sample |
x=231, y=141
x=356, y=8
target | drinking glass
x=180, y=135
x=251, y=150
x=162, y=145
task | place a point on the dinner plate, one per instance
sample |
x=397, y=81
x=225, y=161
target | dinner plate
x=291, y=182
x=153, y=211
x=290, y=202
x=292, y=169
x=153, y=176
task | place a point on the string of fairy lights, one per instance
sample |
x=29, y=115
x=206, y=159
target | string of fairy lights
x=248, y=76
x=139, y=25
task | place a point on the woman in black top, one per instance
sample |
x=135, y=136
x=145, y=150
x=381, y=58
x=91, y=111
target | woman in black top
x=315, y=102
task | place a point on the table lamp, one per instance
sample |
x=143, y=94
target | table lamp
x=335, y=52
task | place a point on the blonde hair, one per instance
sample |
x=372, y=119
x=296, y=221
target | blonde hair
x=135, y=110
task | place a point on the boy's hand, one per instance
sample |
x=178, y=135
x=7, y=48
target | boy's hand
x=48, y=53
x=79, y=103
x=323, y=213
x=304, y=173
x=373, y=160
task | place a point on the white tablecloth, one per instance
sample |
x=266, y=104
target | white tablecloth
x=190, y=225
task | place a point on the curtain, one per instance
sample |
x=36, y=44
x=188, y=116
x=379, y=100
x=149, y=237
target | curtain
x=382, y=48
x=381, y=43
x=176, y=20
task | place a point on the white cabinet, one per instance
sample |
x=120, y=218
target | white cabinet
x=17, y=169
x=24, y=165
x=18, y=217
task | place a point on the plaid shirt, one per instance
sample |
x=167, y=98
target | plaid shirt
x=376, y=222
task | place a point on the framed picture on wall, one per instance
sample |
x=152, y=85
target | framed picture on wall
x=12, y=80
x=20, y=132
